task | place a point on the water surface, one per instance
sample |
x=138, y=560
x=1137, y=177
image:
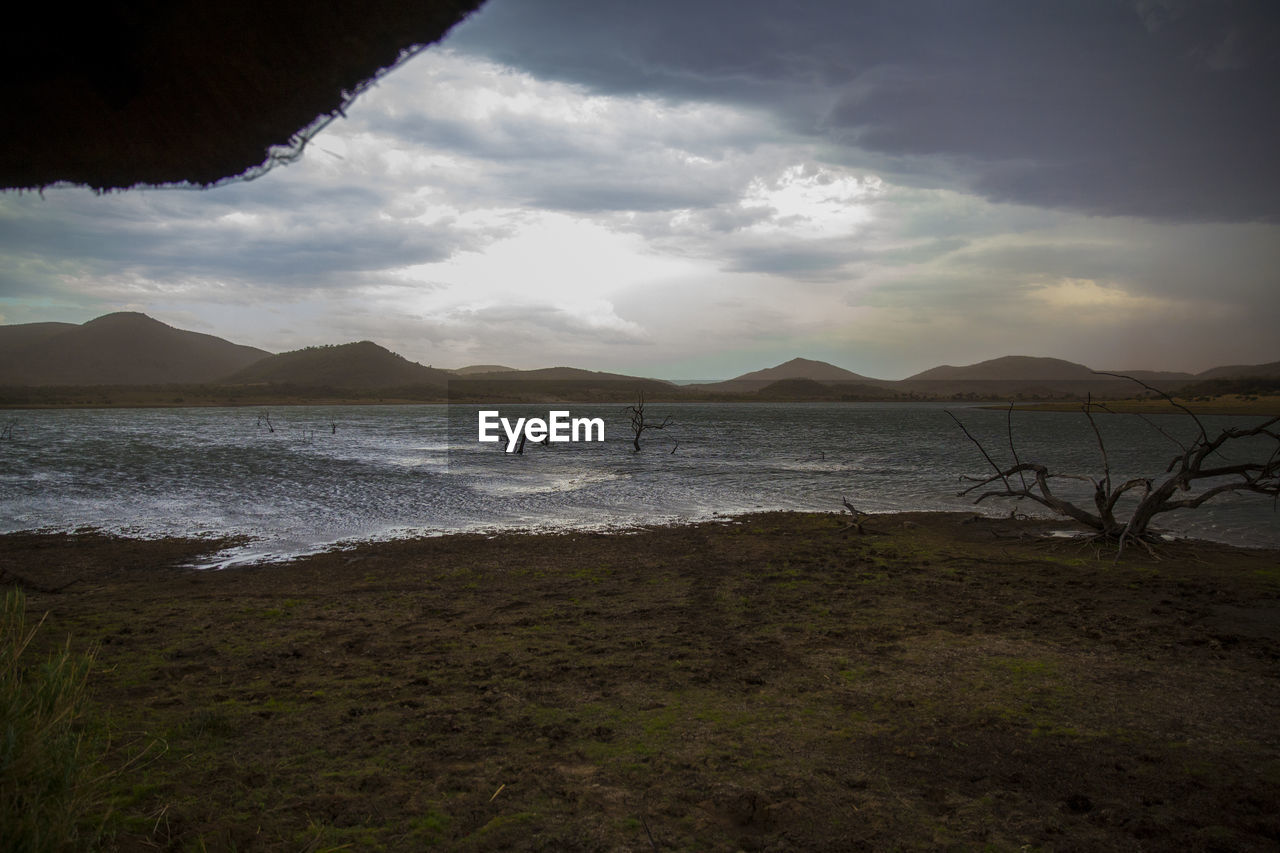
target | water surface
x=333, y=473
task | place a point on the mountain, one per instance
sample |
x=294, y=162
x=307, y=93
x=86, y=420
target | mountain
x=481, y=368
x=362, y=366
x=1016, y=375
x=15, y=340
x=557, y=384
x=1009, y=367
x=802, y=368
x=1013, y=376
x=125, y=348
x=1155, y=376
x=1238, y=371
x=558, y=374
x=813, y=390
x=795, y=369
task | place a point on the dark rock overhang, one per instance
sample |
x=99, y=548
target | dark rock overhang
x=117, y=94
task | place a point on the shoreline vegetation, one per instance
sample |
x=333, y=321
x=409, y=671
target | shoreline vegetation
x=126, y=397
x=774, y=681
x=1233, y=404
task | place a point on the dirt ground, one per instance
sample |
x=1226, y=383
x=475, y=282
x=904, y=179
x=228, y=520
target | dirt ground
x=767, y=683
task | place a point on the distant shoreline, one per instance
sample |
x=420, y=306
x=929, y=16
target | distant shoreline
x=1234, y=405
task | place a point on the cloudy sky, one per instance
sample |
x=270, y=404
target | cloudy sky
x=697, y=189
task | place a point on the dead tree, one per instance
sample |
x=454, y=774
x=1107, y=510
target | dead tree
x=639, y=424
x=858, y=518
x=1195, y=461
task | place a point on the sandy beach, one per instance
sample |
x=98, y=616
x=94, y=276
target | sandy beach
x=773, y=682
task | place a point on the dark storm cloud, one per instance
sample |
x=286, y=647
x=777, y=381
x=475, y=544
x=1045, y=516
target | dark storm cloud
x=177, y=236
x=1155, y=108
x=573, y=155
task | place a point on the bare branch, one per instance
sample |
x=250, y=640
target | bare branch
x=1173, y=402
x=1184, y=470
x=981, y=448
x=1102, y=448
x=1146, y=420
x=1008, y=422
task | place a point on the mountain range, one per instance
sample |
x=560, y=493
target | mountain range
x=360, y=365
x=132, y=349
x=116, y=349
x=797, y=369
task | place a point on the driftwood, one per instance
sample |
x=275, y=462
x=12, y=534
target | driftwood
x=1193, y=463
x=858, y=518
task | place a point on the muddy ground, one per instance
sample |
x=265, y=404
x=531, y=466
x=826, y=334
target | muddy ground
x=770, y=683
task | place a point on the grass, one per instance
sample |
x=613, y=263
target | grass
x=51, y=792
x=770, y=683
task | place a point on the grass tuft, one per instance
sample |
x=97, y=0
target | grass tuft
x=51, y=797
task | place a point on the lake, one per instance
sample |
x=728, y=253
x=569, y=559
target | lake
x=332, y=473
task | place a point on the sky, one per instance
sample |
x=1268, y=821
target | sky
x=693, y=190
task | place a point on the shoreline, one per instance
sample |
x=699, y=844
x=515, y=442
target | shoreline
x=1266, y=406
x=765, y=681
x=207, y=546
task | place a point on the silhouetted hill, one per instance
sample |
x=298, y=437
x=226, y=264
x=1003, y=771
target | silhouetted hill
x=1240, y=371
x=481, y=368
x=802, y=368
x=125, y=348
x=1010, y=367
x=1025, y=376
x=558, y=384
x=1155, y=377
x=796, y=368
x=559, y=374
x=798, y=389
x=14, y=339
x=785, y=390
x=363, y=365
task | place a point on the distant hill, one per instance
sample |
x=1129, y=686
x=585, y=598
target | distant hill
x=1238, y=371
x=798, y=389
x=1024, y=376
x=559, y=374
x=360, y=366
x=811, y=389
x=802, y=368
x=481, y=368
x=1156, y=376
x=1021, y=376
x=125, y=348
x=1009, y=367
x=15, y=339
x=795, y=369
x=557, y=383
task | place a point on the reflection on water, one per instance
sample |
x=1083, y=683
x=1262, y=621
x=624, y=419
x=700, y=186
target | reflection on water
x=406, y=470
